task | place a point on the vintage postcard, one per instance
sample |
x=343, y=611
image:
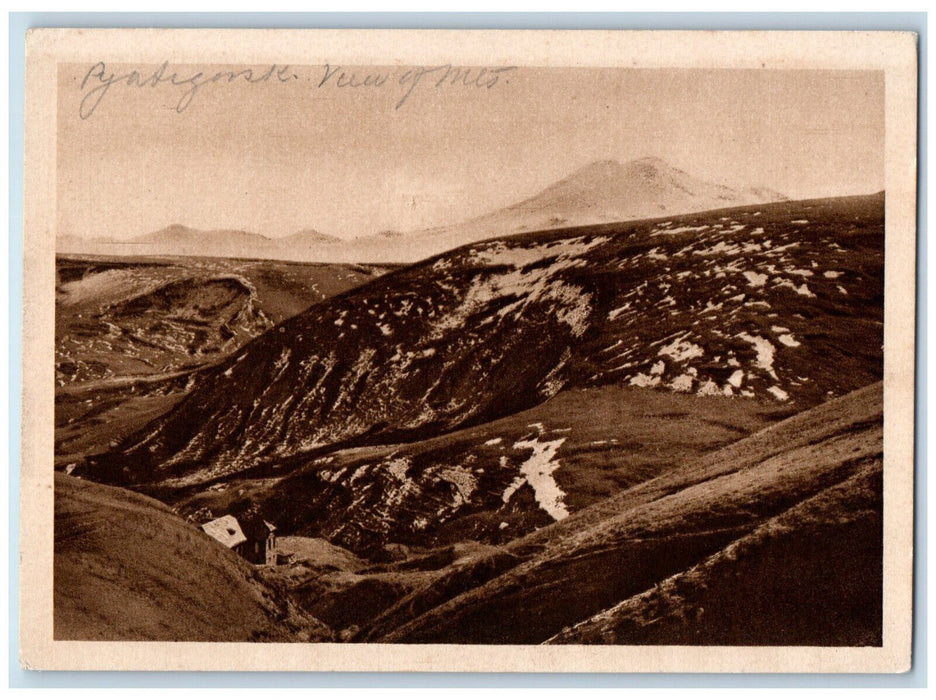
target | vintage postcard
x=468, y=351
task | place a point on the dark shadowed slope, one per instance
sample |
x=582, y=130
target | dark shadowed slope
x=133, y=335
x=127, y=568
x=782, y=302
x=775, y=523
x=810, y=576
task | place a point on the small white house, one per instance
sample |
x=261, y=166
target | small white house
x=258, y=545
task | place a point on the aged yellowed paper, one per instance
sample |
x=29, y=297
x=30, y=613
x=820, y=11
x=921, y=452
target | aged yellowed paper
x=468, y=350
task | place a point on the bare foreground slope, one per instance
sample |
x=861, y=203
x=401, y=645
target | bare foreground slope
x=775, y=539
x=640, y=432
x=127, y=568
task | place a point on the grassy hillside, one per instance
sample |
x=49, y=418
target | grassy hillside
x=810, y=576
x=127, y=568
x=748, y=517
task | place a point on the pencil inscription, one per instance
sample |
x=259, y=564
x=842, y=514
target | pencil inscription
x=99, y=80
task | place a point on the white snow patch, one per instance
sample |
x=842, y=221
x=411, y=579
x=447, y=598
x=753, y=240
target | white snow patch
x=765, y=352
x=614, y=313
x=682, y=383
x=718, y=249
x=736, y=378
x=802, y=290
x=832, y=274
x=842, y=290
x=644, y=380
x=658, y=368
x=494, y=441
x=572, y=305
x=800, y=221
x=755, y=279
x=679, y=229
x=520, y=256
x=788, y=340
x=398, y=467
x=681, y=349
x=779, y=393
x=464, y=482
x=537, y=471
x=512, y=488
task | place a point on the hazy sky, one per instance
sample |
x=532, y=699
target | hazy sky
x=284, y=154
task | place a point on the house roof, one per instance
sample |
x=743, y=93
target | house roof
x=226, y=530
x=256, y=528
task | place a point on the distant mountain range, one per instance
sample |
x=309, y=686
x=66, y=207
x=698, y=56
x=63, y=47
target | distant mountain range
x=602, y=192
x=220, y=243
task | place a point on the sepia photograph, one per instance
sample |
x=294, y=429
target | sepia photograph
x=586, y=353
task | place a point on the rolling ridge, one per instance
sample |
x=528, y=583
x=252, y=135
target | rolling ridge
x=736, y=303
